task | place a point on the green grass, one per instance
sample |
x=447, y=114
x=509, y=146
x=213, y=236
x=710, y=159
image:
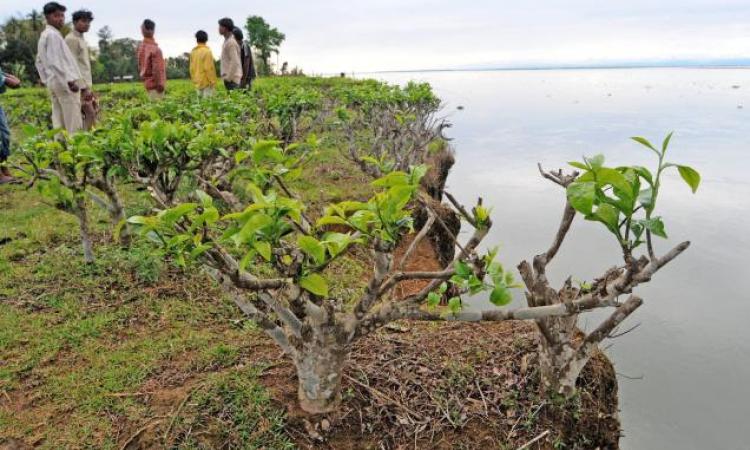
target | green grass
x=80, y=343
x=235, y=410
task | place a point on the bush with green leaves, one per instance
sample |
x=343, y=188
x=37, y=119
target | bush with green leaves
x=70, y=171
x=623, y=199
x=219, y=177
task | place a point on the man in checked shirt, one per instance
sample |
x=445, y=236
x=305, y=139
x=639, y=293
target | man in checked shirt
x=151, y=62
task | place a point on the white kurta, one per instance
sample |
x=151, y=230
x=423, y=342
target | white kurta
x=57, y=67
x=54, y=61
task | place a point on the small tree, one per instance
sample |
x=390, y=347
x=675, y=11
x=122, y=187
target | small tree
x=265, y=39
x=67, y=170
x=623, y=199
x=292, y=301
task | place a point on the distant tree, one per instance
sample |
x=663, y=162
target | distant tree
x=117, y=57
x=265, y=39
x=178, y=67
x=18, y=41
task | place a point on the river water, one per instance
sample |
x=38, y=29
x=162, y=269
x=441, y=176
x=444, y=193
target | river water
x=684, y=373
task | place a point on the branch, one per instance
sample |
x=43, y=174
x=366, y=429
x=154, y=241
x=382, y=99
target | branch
x=397, y=277
x=285, y=314
x=392, y=311
x=306, y=224
x=569, y=215
x=559, y=177
x=383, y=262
x=469, y=218
x=606, y=327
x=257, y=316
x=422, y=233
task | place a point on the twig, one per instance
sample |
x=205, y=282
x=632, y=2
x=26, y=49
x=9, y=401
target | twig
x=177, y=414
x=140, y=431
x=447, y=230
x=628, y=377
x=615, y=336
x=422, y=233
x=536, y=411
x=383, y=396
x=461, y=209
x=531, y=442
x=129, y=394
x=484, y=400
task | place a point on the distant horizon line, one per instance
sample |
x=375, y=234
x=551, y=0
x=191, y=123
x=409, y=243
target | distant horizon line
x=682, y=64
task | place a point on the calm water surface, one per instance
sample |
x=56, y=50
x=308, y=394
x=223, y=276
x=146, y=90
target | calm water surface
x=684, y=373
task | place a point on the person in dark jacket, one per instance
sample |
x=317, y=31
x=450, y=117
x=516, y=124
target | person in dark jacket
x=248, y=65
x=6, y=80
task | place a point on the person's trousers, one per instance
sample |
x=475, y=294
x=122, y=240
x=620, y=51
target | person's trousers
x=66, y=110
x=230, y=85
x=4, y=137
x=153, y=94
x=206, y=92
x=89, y=110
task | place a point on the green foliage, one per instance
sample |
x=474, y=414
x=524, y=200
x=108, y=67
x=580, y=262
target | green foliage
x=624, y=199
x=264, y=38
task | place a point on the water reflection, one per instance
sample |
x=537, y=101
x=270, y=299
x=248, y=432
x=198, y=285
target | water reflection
x=693, y=348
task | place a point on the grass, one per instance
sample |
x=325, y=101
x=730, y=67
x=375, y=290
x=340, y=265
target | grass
x=78, y=343
x=231, y=407
x=85, y=349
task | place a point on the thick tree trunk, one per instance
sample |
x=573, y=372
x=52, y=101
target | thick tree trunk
x=118, y=216
x=560, y=365
x=558, y=359
x=83, y=222
x=319, y=369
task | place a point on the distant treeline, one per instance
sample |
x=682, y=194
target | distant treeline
x=115, y=59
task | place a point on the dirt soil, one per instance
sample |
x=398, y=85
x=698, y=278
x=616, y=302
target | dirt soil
x=410, y=385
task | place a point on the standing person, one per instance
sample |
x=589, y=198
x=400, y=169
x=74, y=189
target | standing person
x=59, y=72
x=231, y=57
x=202, y=67
x=246, y=56
x=151, y=65
x=80, y=49
x=6, y=80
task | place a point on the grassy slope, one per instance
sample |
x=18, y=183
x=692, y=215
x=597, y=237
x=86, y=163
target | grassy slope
x=78, y=344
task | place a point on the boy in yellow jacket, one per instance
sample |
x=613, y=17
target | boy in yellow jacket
x=202, y=66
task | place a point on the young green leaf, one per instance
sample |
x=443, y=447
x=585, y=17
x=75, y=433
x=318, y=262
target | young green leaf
x=596, y=162
x=463, y=270
x=665, y=144
x=315, y=284
x=581, y=196
x=645, y=142
x=578, y=165
x=454, y=304
x=691, y=177
x=313, y=248
x=501, y=296
x=433, y=299
x=263, y=248
x=608, y=215
x=656, y=226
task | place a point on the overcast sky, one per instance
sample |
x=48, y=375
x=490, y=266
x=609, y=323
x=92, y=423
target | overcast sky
x=327, y=36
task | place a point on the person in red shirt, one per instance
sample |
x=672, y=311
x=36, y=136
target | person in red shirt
x=151, y=62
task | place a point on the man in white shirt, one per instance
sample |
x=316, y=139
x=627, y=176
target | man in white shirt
x=59, y=71
x=231, y=59
x=79, y=48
